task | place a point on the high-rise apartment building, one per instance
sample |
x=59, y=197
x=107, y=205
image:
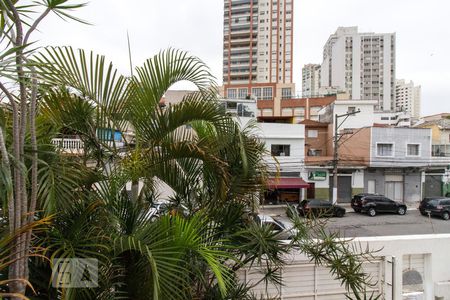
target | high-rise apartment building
x=258, y=50
x=363, y=64
x=408, y=98
x=310, y=80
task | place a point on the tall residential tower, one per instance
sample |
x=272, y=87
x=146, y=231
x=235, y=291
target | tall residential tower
x=310, y=80
x=257, y=50
x=363, y=64
x=408, y=98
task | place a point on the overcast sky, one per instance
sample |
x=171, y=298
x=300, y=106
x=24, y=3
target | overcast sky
x=422, y=27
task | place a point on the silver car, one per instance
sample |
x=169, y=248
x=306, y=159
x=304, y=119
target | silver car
x=284, y=229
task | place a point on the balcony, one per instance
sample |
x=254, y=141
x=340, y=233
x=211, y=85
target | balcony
x=69, y=145
x=73, y=145
x=440, y=150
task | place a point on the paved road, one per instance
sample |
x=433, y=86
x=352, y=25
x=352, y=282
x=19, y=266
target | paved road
x=355, y=224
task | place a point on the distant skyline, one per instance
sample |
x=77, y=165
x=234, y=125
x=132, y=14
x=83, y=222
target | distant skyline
x=422, y=28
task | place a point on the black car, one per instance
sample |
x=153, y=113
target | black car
x=320, y=208
x=435, y=206
x=375, y=204
x=356, y=202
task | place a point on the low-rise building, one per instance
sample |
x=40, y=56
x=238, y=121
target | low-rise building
x=285, y=145
x=437, y=176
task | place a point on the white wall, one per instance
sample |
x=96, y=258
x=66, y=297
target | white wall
x=359, y=120
x=358, y=179
x=284, y=134
x=303, y=280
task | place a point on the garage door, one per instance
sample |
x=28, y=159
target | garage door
x=309, y=282
x=344, y=188
x=433, y=185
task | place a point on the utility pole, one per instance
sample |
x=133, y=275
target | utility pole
x=336, y=145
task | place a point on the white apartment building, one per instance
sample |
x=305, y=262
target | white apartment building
x=408, y=97
x=363, y=64
x=258, y=49
x=310, y=80
x=366, y=117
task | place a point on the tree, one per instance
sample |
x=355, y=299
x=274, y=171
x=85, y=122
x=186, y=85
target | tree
x=213, y=167
x=19, y=86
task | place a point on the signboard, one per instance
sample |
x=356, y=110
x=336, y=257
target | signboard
x=317, y=175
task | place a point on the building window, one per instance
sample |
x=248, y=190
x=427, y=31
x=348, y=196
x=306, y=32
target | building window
x=385, y=150
x=313, y=133
x=413, y=150
x=351, y=109
x=286, y=93
x=231, y=93
x=299, y=111
x=267, y=93
x=256, y=92
x=314, y=152
x=243, y=93
x=280, y=150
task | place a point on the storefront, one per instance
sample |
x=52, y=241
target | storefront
x=285, y=190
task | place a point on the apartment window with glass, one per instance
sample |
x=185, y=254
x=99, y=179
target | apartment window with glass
x=231, y=93
x=243, y=93
x=256, y=92
x=267, y=93
x=385, y=149
x=413, y=150
x=286, y=93
x=280, y=150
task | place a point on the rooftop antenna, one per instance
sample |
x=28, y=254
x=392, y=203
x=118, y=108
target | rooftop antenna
x=129, y=54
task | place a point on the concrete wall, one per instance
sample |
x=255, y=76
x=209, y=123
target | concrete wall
x=412, y=178
x=400, y=137
x=284, y=134
x=306, y=281
x=363, y=119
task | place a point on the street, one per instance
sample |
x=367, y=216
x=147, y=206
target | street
x=358, y=225
x=355, y=224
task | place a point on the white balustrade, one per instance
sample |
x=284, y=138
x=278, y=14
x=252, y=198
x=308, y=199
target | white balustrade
x=69, y=144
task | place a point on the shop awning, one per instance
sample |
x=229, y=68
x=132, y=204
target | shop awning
x=286, y=183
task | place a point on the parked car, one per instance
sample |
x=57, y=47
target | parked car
x=284, y=229
x=435, y=206
x=357, y=200
x=320, y=208
x=374, y=204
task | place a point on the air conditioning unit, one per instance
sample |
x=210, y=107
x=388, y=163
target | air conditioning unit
x=442, y=289
x=313, y=152
x=282, y=154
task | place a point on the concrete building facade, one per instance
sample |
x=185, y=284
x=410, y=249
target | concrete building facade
x=363, y=64
x=408, y=98
x=310, y=80
x=258, y=50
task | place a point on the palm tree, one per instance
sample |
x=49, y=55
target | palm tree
x=212, y=166
x=193, y=147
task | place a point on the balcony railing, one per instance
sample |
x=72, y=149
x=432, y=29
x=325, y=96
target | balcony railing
x=440, y=150
x=75, y=146
x=69, y=145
